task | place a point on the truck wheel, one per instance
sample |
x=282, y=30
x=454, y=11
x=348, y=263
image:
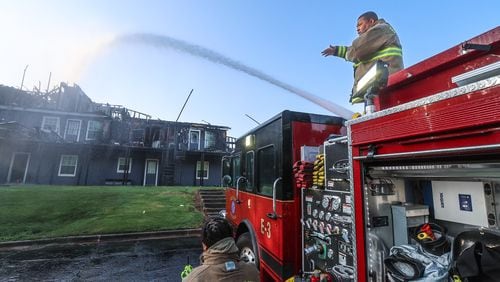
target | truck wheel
x=247, y=253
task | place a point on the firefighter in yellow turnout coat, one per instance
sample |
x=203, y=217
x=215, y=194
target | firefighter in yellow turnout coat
x=377, y=40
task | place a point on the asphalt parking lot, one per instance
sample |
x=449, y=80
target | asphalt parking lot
x=139, y=260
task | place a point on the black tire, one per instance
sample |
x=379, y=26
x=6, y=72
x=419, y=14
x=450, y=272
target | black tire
x=247, y=249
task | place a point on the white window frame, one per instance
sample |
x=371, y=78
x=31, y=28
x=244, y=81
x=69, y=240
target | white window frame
x=88, y=126
x=118, y=170
x=205, y=167
x=44, y=121
x=60, y=166
x=79, y=128
x=199, y=138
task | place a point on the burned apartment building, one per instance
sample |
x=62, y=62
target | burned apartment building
x=62, y=137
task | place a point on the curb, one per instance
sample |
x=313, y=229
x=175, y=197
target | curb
x=101, y=238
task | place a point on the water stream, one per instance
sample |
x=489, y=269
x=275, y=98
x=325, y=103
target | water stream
x=162, y=41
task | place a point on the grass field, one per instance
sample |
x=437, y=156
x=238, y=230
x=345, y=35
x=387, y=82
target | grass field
x=34, y=212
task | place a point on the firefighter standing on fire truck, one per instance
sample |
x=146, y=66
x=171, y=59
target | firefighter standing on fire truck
x=377, y=40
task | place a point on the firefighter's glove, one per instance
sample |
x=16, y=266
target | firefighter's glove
x=329, y=51
x=356, y=115
x=187, y=269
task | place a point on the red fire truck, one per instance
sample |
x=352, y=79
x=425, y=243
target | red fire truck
x=421, y=169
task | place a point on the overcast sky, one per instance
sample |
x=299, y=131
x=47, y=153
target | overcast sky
x=148, y=55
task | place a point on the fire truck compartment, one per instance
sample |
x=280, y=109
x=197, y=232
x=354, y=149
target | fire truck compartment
x=401, y=196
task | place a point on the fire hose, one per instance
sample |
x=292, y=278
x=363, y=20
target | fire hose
x=403, y=268
x=343, y=272
x=432, y=238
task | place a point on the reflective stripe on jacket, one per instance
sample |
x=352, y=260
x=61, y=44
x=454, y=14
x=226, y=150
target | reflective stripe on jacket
x=386, y=52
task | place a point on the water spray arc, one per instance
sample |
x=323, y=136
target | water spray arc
x=162, y=41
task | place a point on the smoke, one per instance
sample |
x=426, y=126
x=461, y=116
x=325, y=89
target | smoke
x=162, y=41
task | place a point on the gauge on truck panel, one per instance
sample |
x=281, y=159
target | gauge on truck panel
x=334, y=203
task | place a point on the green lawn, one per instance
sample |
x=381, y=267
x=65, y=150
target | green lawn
x=33, y=212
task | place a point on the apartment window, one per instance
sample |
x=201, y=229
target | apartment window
x=94, y=130
x=72, y=132
x=68, y=164
x=123, y=165
x=199, y=172
x=138, y=135
x=50, y=124
x=210, y=138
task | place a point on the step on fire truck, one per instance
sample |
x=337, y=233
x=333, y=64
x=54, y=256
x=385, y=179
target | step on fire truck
x=316, y=197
